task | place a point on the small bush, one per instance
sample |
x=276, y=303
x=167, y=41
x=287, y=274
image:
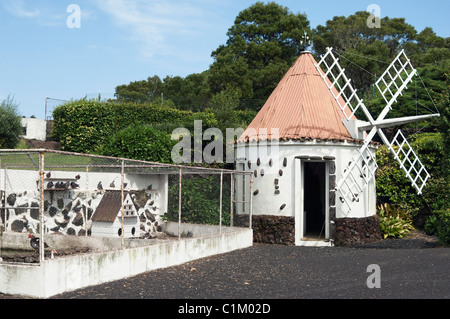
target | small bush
x=140, y=142
x=394, y=222
x=431, y=226
x=199, y=200
x=438, y=225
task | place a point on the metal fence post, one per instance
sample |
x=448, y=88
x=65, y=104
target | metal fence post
x=1, y=221
x=41, y=208
x=123, y=210
x=251, y=201
x=231, y=199
x=85, y=213
x=220, y=202
x=179, y=204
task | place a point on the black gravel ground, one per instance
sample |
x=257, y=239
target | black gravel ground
x=410, y=268
x=415, y=268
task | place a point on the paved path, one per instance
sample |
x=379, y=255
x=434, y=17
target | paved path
x=281, y=272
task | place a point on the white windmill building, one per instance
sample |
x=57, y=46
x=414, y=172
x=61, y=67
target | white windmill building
x=313, y=162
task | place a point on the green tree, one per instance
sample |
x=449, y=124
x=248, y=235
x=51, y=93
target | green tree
x=262, y=44
x=428, y=49
x=189, y=93
x=223, y=106
x=140, y=91
x=10, y=123
x=365, y=52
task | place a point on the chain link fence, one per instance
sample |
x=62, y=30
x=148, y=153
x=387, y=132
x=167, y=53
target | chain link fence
x=58, y=203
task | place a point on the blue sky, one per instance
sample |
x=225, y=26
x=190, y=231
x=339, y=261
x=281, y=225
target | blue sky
x=120, y=41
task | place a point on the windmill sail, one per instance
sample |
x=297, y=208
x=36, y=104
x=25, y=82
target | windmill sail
x=339, y=85
x=391, y=84
x=409, y=162
x=395, y=79
x=361, y=170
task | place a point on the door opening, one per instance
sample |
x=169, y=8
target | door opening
x=314, y=201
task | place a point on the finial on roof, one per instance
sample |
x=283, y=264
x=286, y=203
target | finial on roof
x=306, y=41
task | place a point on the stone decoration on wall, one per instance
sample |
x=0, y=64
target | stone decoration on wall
x=69, y=212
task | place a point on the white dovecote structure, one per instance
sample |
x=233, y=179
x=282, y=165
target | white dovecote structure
x=107, y=219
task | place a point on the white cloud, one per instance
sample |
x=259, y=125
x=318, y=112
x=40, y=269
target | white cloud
x=45, y=13
x=17, y=7
x=156, y=24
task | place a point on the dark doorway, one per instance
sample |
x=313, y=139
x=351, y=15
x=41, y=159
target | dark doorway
x=314, y=199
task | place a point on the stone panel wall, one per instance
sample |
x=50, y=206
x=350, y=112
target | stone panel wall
x=270, y=229
x=357, y=231
x=281, y=230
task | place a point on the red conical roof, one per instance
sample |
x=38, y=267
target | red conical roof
x=301, y=107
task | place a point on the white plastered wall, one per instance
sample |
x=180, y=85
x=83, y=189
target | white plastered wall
x=267, y=202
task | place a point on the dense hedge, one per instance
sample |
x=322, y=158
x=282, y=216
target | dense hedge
x=84, y=125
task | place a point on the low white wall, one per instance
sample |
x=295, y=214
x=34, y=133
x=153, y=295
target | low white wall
x=55, y=276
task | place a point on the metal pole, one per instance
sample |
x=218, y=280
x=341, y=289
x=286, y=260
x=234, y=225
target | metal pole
x=86, y=211
x=220, y=201
x=1, y=222
x=123, y=210
x=251, y=201
x=41, y=210
x=5, y=195
x=46, y=110
x=179, y=204
x=231, y=199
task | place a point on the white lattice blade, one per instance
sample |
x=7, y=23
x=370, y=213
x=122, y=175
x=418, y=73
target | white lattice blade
x=409, y=162
x=340, y=86
x=395, y=79
x=358, y=174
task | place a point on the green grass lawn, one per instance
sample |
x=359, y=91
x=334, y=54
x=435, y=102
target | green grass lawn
x=30, y=161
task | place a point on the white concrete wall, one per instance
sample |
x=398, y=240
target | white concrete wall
x=266, y=202
x=55, y=276
x=35, y=128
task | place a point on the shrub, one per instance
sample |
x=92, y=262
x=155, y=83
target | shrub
x=141, y=142
x=392, y=185
x=199, y=200
x=438, y=225
x=394, y=188
x=431, y=226
x=394, y=222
